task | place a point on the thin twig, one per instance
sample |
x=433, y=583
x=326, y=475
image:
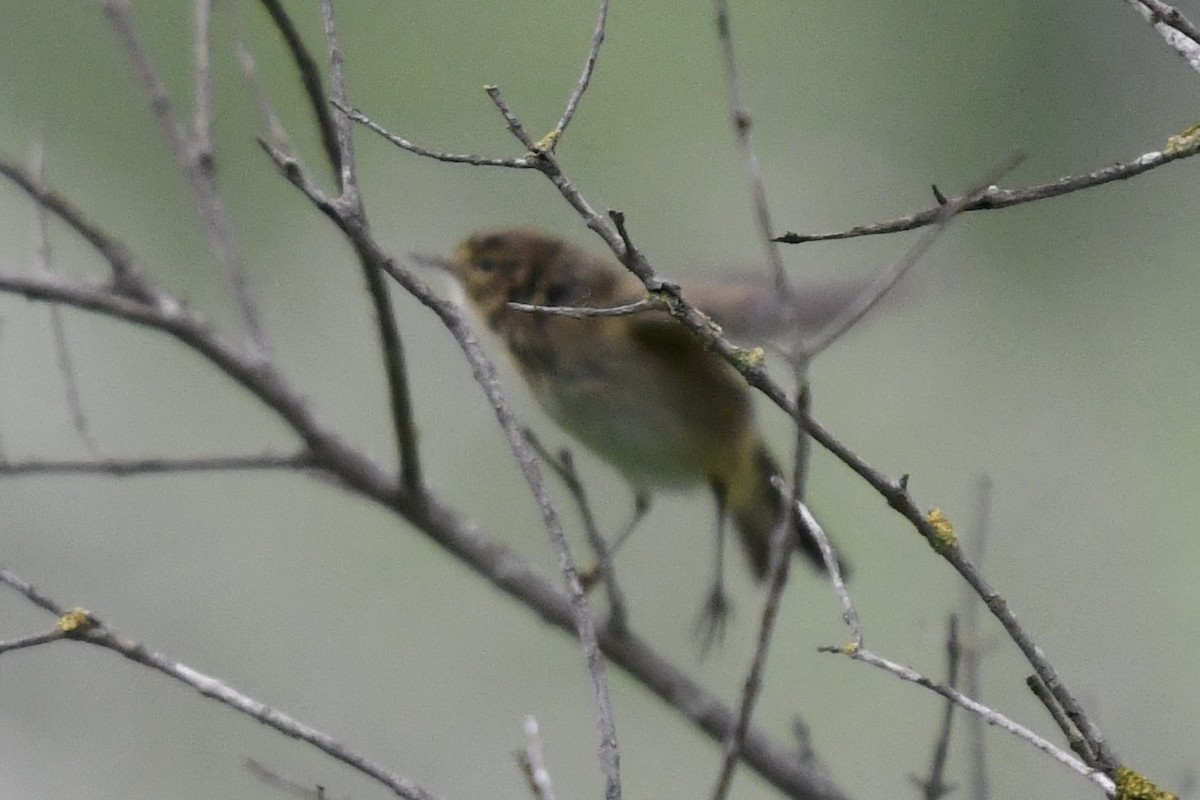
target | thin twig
x=32, y=640
x=935, y=787
x=485, y=375
x=510, y=118
x=940, y=535
x=460, y=537
x=127, y=278
x=972, y=657
x=853, y=312
x=62, y=351
x=577, y=312
x=272, y=126
x=354, y=114
x=79, y=625
x=276, y=781
x=196, y=168
x=370, y=257
x=331, y=452
x=780, y=558
x=739, y=116
x=995, y=197
x=348, y=214
x=832, y=567
x=348, y=176
x=752, y=369
x=202, y=85
x=310, y=77
x=126, y=467
x=1172, y=16
x=533, y=762
x=564, y=467
x=1177, y=30
x=989, y=715
x=1059, y=715
x=585, y=78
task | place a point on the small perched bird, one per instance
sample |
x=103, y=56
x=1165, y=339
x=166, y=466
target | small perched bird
x=638, y=390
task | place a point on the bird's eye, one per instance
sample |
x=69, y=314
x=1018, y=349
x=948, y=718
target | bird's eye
x=487, y=264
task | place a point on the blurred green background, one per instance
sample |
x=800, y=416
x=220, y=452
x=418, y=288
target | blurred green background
x=1053, y=346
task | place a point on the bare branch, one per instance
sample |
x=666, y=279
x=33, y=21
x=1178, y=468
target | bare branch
x=62, y=352
x=1059, y=715
x=125, y=467
x=460, y=538
x=510, y=118
x=452, y=158
x=940, y=534
x=310, y=77
x=32, y=640
x=276, y=781
x=202, y=85
x=196, y=167
x=127, y=278
x=883, y=283
x=272, y=126
x=331, y=452
x=80, y=625
x=485, y=375
x=972, y=657
x=935, y=787
x=832, y=567
x=348, y=177
x=585, y=78
x=1182, y=146
x=533, y=762
x=1177, y=30
x=564, y=467
x=777, y=572
x=753, y=370
x=989, y=715
x=348, y=213
x=576, y=312
x=739, y=115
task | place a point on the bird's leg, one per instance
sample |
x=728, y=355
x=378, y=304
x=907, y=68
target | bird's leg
x=710, y=625
x=641, y=507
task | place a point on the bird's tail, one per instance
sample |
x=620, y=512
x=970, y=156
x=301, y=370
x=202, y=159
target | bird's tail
x=755, y=505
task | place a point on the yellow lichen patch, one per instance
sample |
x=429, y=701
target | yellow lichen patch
x=1185, y=141
x=547, y=143
x=944, y=537
x=850, y=649
x=74, y=620
x=752, y=358
x=1133, y=785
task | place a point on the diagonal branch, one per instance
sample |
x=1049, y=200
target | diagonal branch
x=1176, y=30
x=62, y=350
x=585, y=78
x=195, y=164
x=310, y=77
x=1185, y=145
x=739, y=115
x=79, y=625
x=124, y=467
x=459, y=536
x=585, y=626
x=853, y=312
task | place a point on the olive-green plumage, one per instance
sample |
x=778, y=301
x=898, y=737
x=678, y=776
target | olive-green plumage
x=639, y=390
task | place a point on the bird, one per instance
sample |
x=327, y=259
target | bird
x=639, y=390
